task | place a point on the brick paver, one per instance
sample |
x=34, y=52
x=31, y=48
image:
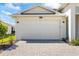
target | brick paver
x=22, y=48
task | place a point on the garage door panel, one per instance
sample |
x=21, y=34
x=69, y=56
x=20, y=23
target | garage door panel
x=46, y=28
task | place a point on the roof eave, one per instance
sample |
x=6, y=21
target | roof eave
x=63, y=6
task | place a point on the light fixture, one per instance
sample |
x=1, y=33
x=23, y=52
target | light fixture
x=17, y=21
x=40, y=17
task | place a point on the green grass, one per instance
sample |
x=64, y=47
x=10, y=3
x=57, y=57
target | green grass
x=8, y=38
x=75, y=42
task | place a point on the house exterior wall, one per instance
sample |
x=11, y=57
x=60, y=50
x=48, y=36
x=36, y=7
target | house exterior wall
x=77, y=26
x=70, y=13
x=37, y=10
x=77, y=21
x=73, y=26
x=24, y=19
x=77, y=10
x=9, y=30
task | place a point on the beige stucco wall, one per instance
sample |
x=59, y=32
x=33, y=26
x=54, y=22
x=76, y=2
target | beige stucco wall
x=25, y=19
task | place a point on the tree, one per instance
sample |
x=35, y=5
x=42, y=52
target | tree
x=3, y=29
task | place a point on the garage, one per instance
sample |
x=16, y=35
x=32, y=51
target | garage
x=40, y=23
x=41, y=27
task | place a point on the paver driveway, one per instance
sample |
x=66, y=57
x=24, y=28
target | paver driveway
x=41, y=49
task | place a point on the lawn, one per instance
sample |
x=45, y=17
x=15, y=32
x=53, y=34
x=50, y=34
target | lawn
x=8, y=38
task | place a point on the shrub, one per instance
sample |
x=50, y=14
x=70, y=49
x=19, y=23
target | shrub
x=3, y=29
x=75, y=42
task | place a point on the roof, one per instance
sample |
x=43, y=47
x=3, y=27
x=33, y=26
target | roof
x=6, y=23
x=63, y=6
x=52, y=11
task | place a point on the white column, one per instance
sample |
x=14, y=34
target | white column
x=71, y=24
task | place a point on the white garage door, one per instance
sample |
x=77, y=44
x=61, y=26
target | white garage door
x=40, y=28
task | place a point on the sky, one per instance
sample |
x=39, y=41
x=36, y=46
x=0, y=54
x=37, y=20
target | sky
x=12, y=8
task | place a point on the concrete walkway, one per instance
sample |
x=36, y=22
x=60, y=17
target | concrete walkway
x=22, y=48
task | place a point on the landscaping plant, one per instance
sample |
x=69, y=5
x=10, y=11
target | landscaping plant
x=75, y=42
x=5, y=38
x=3, y=29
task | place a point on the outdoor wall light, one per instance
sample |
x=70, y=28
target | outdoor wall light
x=63, y=22
x=17, y=21
x=40, y=17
